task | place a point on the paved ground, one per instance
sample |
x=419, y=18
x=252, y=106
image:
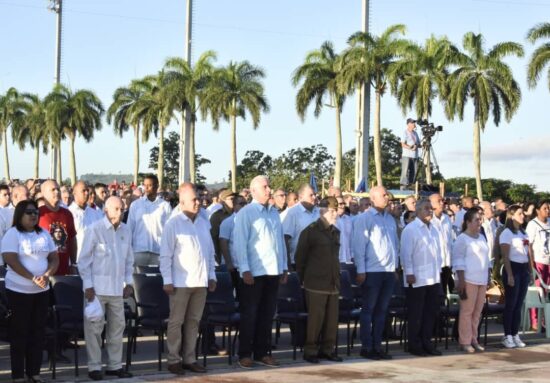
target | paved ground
x=531, y=364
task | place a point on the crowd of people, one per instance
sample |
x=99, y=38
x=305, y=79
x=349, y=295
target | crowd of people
x=423, y=248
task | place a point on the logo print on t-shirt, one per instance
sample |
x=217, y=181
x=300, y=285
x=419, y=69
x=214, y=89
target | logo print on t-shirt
x=59, y=235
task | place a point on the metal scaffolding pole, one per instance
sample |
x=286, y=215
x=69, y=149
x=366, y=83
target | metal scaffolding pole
x=184, y=170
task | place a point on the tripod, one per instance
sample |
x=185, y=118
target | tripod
x=427, y=154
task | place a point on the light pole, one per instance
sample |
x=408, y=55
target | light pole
x=57, y=7
x=185, y=137
x=363, y=117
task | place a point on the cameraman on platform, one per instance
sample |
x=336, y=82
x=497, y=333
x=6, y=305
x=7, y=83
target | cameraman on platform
x=409, y=159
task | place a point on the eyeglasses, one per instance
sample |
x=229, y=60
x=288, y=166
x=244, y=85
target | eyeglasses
x=31, y=212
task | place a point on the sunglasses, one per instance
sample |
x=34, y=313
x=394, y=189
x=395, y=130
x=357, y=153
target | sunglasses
x=31, y=212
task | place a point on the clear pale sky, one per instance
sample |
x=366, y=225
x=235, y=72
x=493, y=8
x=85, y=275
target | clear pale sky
x=108, y=43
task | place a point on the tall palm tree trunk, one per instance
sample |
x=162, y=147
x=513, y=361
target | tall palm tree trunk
x=72, y=160
x=59, y=175
x=477, y=156
x=338, y=164
x=6, y=158
x=37, y=160
x=136, y=154
x=234, y=153
x=192, y=165
x=377, y=140
x=160, y=169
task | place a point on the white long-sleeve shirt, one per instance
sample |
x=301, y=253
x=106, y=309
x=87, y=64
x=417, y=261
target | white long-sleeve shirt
x=420, y=253
x=106, y=259
x=146, y=220
x=187, y=252
x=345, y=226
x=83, y=218
x=445, y=228
x=297, y=219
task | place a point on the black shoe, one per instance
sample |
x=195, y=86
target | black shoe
x=373, y=355
x=417, y=352
x=331, y=357
x=120, y=373
x=383, y=355
x=95, y=375
x=311, y=359
x=433, y=351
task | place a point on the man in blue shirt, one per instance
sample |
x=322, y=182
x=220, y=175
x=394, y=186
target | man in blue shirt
x=262, y=260
x=375, y=250
x=409, y=158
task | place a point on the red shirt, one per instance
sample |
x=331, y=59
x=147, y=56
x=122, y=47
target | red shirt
x=60, y=225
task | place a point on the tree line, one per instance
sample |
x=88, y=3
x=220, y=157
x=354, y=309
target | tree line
x=415, y=74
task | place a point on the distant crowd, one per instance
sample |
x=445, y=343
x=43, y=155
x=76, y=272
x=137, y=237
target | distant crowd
x=421, y=249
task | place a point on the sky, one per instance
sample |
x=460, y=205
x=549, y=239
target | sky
x=107, y=43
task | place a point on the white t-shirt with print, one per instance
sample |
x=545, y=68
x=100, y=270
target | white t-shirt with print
x=519, y=245
x=539, y=237
x=32, y=249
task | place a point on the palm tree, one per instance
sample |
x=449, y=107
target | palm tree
x=155, y=111
x=235, y=90
x=122, y=113
x=373, y=60
x=11, y=115
x=488, y=82
x=187, y=84
x=541, y=56
x=319, y=76
x=33, y=129
x=425, y=70
x=70, y=114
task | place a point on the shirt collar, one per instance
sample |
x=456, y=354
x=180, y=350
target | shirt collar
x=261, y=207
x=107, y=223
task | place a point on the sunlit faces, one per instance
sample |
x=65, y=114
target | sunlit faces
x=50, y=192
x=150, y=187
x=189, y=200
x=114, y=209
x=259, y=187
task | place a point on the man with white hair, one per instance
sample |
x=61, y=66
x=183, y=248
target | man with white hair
x=83, y=215
x=106, y=265
x=375, y=247
x=298, y=217
x=421, y=260
x=262, y=262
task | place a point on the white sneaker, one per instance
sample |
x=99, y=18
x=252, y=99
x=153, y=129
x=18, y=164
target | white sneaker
x=508, y=341
x=517, y=341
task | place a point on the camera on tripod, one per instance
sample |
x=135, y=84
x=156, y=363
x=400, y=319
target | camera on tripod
x=428, y=128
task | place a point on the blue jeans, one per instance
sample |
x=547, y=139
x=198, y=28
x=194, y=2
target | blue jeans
x=515, y=296
x=377, y=292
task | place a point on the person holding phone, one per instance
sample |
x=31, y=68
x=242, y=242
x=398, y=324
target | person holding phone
x=470, y=260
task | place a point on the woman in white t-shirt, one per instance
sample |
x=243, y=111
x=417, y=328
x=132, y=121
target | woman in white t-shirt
x=470, y=261
x=514, y=248
x=538, y=231
x=31, y=257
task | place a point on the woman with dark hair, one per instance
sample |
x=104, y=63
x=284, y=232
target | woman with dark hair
x=514, y=249
x=31, y=257
x=470, y=260
x=538, y=231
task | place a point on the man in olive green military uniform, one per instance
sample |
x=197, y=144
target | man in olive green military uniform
x=318, y=267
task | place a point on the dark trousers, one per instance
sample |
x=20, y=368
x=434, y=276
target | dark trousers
x=447, y=281
x=322, y=320
x=422, y=312
x=377, y=291
x=257, y=305
x=27, y=330
x=514, y=296
x=409, y=167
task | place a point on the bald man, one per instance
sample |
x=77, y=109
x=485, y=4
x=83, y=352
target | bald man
x=375, y=252
x=106, y=266
x=59, y=221
x=187, y=265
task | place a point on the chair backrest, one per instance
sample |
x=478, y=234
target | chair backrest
x=147, y=269
x=148, y=289
x=291, y=289
x=67, y=291
x=223, y=293
x=346, y=291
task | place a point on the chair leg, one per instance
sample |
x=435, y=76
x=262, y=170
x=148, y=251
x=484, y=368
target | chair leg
x=348, y=338
x=160, y=342
x=129, y=334
x=228, y=343
x=75, y=354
